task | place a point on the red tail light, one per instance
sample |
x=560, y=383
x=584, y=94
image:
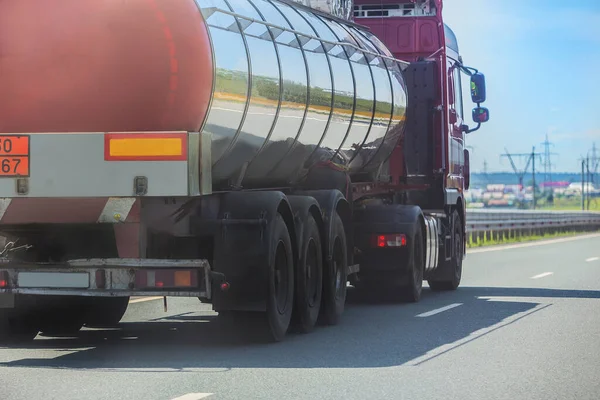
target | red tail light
x=3, y=279
x=389, y=240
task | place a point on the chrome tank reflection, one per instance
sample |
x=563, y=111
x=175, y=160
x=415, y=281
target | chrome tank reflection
x=293, y=88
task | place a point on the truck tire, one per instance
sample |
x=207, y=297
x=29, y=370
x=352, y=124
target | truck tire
x=449, y=273
x=412, y=291
x=62, y=321
x=105, y=312
x=280, y=301
x=271, y=325
x=16, y=328
x=335, y=275
x=61, y=315
x=309, y=278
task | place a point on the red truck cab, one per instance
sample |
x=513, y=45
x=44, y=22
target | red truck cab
x=414, y=30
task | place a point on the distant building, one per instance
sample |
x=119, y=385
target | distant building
x=556, y=185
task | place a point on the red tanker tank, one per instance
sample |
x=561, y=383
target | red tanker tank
x=110, y=65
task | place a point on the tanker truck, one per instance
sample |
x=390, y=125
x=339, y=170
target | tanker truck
x=259, y=155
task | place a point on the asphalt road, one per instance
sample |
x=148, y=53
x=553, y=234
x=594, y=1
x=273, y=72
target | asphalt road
x=524, y=325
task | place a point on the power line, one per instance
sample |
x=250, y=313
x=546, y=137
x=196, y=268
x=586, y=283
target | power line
x=530, y=160
x=547, y=160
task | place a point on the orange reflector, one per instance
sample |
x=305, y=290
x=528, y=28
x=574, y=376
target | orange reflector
x=183, y=278
x=145, y=146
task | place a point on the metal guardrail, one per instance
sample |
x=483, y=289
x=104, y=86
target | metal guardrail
x=535, y=220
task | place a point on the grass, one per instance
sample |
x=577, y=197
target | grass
x=474, y=243
x=570, y=204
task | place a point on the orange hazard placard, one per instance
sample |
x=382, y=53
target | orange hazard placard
x=14, y=155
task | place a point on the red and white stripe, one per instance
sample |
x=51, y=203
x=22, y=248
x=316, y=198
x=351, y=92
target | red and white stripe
x=16, y=211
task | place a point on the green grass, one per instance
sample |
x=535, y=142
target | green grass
x=564, y=204
x=474, y=243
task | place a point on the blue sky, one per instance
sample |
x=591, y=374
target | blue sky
x=541, y=59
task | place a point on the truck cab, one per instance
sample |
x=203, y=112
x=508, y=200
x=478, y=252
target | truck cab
x=412, y=30
x=431, y=164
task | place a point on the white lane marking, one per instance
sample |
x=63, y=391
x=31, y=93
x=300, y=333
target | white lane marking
x=142, y=299
x=443, y=349
x=532, y=244
x=592, y=259
x=439, y=310
x=542, y=275
x=193, y=396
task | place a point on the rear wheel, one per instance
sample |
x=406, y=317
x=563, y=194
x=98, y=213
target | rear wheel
x=309, y=278
x=271, y=325
x=62, y=315
x=449, y=273
x=16, y=328
x=335, y=275
x=104, y=312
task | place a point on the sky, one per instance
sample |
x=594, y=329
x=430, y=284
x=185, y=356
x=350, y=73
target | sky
x=541, y=59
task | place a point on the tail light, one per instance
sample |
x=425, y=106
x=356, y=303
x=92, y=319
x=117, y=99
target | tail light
x=3, y=279
x=389, y=240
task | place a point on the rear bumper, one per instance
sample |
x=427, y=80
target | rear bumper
x=110, y=277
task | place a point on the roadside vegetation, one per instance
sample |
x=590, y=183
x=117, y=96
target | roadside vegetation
x=501, y=238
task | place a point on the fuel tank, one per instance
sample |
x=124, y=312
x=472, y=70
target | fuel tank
x=278, y=86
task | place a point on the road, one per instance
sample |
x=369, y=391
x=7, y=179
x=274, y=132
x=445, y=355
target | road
x=524, y=325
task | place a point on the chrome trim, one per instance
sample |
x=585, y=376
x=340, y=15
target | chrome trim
x=205, y=180
x=432, y=245
x=274, y=161
x=194, y=163
x=331, y=96
x=249, y=92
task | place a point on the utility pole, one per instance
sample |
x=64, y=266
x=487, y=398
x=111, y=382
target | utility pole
x=533, y=169
x=589, y=179
x=547, y=161
x=530, y=157
x=582, y=183
x=593, y=163
x=485, y=171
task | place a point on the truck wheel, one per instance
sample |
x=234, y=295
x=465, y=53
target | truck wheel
x=105, y=312
x=335, y=276
x=62, y=316
x=280, y=301
x=412, y=291
x=16, y=328
x=309, y=278
x=272, y=325
x=451, y=271
x=56, y=323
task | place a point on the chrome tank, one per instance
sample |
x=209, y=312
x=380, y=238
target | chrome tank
x=293, y=88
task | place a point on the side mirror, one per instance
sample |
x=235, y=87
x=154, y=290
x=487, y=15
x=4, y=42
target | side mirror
x=481, y=115
x=478, y=87
x=467, y=170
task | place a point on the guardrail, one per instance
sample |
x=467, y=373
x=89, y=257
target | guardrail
x=529, y=221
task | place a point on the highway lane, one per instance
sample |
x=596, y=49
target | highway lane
x=524, y=324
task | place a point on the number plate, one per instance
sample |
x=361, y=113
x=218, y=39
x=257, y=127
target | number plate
x=14, y=155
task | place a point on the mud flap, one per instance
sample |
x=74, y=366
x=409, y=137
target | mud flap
x=242, y=248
